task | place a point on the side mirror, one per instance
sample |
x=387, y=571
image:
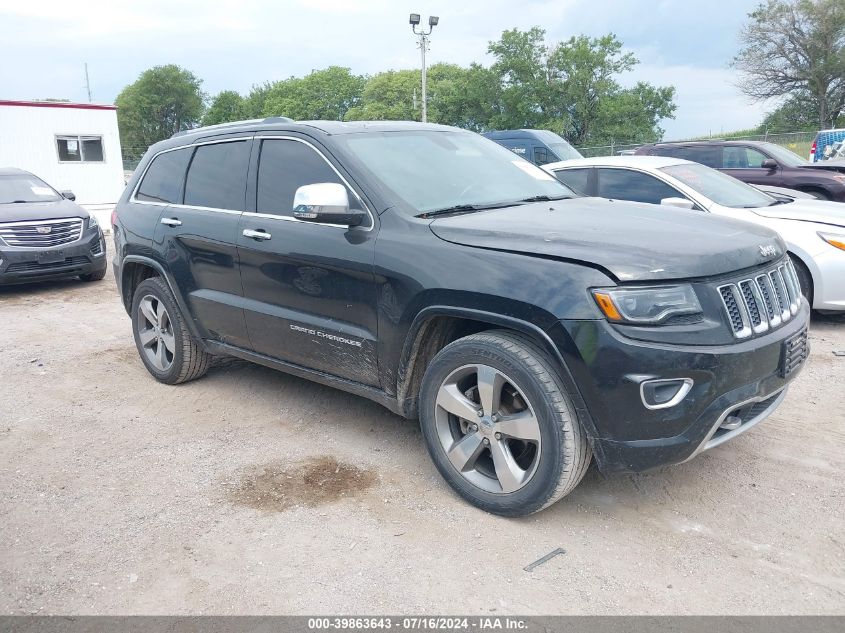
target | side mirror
x=325, y=203
x=68, y=195
x=681, y=203
x=770, y=163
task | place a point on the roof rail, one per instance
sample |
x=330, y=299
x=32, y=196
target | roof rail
x=220, y=126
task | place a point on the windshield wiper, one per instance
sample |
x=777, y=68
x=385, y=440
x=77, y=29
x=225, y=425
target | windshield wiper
x=15, y=202
x=544, y=198
x=465, y=208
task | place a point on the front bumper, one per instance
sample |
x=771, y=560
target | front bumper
x=743, y=381
x=829, y=282
x=84, y=256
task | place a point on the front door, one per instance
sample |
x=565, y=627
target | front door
x=746, y=164
x=309, y=289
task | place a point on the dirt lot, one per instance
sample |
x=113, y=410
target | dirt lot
x=250, y=491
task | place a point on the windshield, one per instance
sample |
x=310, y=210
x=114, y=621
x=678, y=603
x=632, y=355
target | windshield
x=784, y=156
x=25, y=188
x=432, y=171
x=720, y=188
x=562, y=149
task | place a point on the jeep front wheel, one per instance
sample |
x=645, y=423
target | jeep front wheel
x=499, y=425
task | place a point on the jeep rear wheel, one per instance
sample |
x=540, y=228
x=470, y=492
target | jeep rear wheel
x=164, y=343
x=499, y=425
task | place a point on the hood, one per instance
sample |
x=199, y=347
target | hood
x=837, y=164
x=41, y=211
x=632, y=241
x=820, y=211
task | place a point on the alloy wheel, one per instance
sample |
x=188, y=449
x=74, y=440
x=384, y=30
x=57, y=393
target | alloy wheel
x=488, y=428
x=155, y=332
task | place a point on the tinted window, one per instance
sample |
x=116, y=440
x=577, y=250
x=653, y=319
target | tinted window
x=283, y=167
x=217, y=176
x=575, y=179
x=163, y=180
x=624, y=184
x=704, y=154
x=734, y=157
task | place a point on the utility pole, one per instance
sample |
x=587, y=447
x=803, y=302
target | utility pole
x=422, y=44
x=87, y=83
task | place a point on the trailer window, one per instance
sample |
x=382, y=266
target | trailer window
x=80, y=149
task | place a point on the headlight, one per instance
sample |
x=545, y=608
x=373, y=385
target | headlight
x=92, y=222
x=834, y=240
x=646, y=305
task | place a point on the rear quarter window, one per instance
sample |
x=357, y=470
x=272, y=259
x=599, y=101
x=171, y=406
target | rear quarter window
x=163, y=180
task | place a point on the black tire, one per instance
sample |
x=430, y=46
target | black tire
x=97, y=275
x=804, y=278
x=563, y=453
x=187, y=360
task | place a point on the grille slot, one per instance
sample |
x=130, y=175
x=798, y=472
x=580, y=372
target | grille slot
x=41, y=233
x=25, y=267
x=765, y=301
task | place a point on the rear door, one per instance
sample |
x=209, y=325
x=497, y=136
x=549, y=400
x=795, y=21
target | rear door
x=580, y=179
x=197, y=238
x=310, y=294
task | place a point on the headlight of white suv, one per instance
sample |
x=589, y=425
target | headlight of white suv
x=646, y=306
x=836, y=240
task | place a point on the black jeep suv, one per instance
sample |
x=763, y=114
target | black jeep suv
x=433, y=271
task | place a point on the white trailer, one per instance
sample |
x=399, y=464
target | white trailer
x=72, y=146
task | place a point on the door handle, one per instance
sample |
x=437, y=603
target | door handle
x=257, y=235
x=171, y=222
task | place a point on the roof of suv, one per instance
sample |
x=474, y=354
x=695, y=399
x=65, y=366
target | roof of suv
x=331, y=128
x=714, y=141
x=13, y=171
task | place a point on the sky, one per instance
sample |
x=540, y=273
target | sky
x=234, y=45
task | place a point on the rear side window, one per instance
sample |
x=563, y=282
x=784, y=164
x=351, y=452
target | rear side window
x=217, y=176
x=163, y=180
x=624, y=184
x=576, y=179
x=705, y=154
x=283, y=167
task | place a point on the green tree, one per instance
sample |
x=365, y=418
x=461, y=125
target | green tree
x=256, y=99
x=226, y=106
x=572, y=89
x=326, y=94
x=793, y=47
x=164, y=100
x=389, y=96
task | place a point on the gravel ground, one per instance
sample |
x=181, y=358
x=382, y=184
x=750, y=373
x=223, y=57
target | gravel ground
x=250, y=491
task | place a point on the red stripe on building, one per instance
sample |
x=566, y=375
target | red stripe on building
x=58, y=104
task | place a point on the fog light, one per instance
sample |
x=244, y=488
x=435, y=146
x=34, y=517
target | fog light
x=665, y=392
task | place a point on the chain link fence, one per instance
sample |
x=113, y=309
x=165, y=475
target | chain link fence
x=798, y=142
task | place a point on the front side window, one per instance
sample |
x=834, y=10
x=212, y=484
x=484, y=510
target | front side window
x=217, y=176
x=576, y=179
x=719, y=187
x=738, y=157
x=283, y=167
x=25, y=188
x=163, y=180
x=624, y=184
x=541, y=156
x=80, y=149
x=431, y=170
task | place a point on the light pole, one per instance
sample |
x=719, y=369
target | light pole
x=423, y=46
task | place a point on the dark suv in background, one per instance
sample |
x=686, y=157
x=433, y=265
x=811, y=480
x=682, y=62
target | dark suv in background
x=44, y=234
x=757, y=163
x=430, y=270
